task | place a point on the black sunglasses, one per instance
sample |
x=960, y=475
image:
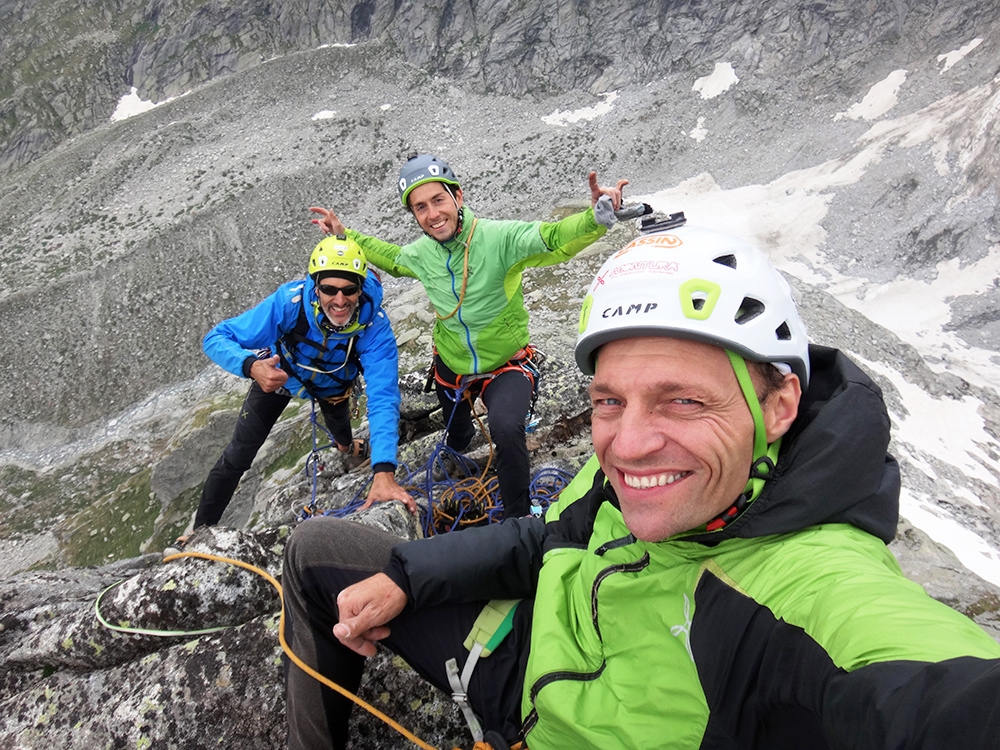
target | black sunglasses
x=331, y=291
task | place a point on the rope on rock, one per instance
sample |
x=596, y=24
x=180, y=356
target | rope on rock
x=294, y=658
x=454, y=503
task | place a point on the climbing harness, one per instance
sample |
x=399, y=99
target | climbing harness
x=488, y=631
x=527, y=361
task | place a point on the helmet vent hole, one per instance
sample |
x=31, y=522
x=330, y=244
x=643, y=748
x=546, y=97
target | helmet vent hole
x=783, y=333
x=698, y=303
x=749, y=309
x=726, y=260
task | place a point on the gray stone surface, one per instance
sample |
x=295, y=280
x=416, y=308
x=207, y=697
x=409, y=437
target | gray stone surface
x=122, y=243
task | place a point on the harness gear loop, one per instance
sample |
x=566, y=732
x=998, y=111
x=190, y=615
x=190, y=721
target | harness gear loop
x=465, y=275
x=488, y=631
x=525, y=360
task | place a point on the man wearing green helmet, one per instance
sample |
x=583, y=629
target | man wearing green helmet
x=311, y=339
x=716, y=576
x=471, y=270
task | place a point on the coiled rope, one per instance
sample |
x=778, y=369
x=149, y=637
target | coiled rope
x=452, y=504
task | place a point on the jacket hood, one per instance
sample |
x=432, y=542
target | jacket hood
x=834, y=465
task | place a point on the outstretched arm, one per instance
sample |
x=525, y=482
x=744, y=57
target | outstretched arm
x=378, y=253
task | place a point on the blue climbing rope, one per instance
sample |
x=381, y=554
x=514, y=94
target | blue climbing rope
x=447, y=504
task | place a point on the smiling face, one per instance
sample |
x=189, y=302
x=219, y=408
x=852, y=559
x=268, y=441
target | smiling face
x=673, y=432
x=435, y=210
x=339, y=307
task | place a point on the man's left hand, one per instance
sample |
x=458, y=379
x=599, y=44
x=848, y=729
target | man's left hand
x=614, y=193
x=385, y=487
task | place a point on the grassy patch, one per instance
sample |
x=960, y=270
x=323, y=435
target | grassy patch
x=298, y=445
x=113, y=527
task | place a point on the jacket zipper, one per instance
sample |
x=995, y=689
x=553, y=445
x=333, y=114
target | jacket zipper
x=551, y=677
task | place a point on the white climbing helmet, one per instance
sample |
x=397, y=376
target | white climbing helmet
x=699, y=284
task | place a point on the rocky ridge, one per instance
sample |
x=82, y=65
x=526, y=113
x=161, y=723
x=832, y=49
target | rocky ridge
x=122, y=242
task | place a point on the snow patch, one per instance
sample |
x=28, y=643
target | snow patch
x=324, y=114
x=131, y=105
x=698, y=132
x=880, y=99
x=721, y=79
x=950, y=59
x=921, y=428
x=562, y=118
x=971, y=550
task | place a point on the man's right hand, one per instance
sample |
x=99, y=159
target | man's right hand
x=268, y=374
x=365, y=608
x=329, y=222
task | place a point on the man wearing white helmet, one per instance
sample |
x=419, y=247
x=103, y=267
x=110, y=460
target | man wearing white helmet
x=471, y=270
x=717, y=575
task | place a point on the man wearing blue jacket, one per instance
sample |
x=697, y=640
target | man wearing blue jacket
x=324, y=331
x=716, y=576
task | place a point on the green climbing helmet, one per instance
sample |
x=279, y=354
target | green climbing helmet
x=695, y=283
x=421, y=168
x=338, y=253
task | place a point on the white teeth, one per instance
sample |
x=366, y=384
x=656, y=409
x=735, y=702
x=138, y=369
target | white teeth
x=657, y=480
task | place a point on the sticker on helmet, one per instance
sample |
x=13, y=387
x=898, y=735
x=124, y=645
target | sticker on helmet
x=635, y=308
x=655, y=240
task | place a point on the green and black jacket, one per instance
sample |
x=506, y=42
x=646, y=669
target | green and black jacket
x=792, y=627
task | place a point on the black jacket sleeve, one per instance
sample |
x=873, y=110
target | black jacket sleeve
x=500, y=561
x=913, y=704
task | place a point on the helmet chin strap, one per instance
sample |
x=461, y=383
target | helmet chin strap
x=764, y=456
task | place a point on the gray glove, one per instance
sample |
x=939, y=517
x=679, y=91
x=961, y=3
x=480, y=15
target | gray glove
x=604, y=211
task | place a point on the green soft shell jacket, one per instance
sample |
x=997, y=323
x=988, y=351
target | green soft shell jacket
x=492, y=323
x=792, y=627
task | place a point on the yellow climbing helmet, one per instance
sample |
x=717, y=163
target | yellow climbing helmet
x=338, y=253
